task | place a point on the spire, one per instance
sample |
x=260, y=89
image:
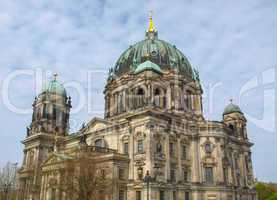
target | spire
x=151, y=32
x=151, y=27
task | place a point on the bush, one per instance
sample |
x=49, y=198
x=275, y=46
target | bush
x=264, y=191
x=273, y=196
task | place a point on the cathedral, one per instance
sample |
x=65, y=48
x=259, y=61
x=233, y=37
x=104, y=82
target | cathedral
x=153, y=135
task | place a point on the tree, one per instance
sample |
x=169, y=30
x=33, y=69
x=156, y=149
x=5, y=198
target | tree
x=263, y=190
x=8, y=181
x=273, y=196
x=82, y=178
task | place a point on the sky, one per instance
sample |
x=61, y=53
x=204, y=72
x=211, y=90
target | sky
x=232, y=43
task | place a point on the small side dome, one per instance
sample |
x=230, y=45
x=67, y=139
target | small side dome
x=54, y=87
x=232, y=108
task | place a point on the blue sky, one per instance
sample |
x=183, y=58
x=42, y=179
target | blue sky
x=233, y=43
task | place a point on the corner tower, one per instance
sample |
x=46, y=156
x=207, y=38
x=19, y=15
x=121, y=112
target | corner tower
x=51, y=110
x=234, y=119
x=49, y=128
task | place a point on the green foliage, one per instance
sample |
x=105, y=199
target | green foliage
x=264, y=191
x=273, y=196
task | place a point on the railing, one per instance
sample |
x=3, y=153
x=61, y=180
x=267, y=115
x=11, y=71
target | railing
x=99, y=149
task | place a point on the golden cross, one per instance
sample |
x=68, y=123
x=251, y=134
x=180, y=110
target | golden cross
x=151, y=27
x=150, y=14
x=55, y=76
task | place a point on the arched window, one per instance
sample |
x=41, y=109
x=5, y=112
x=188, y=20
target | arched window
x=209, y=175
x=139, y=99
x=159, y=148
x=157, y=92
x=208, y=148
x=44, y=112
x=187, y=101
x=121, y=103
x=140, y=92
x=157, y=97
x=100, y=143
x=38, y=113
x=55, y=112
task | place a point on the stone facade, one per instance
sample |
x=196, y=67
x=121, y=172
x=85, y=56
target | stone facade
x=155, y=127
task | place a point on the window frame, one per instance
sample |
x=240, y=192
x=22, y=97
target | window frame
x=138, y=195
x=126, y=148
x=140, y=146
x=184, y=152
x=171, y=149
x=209, y=175
x=173, y=175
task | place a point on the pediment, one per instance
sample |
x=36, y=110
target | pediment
x=96, y=124
x=56, y=158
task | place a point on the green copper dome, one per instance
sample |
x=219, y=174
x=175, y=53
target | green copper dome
x=157, y=51
x=232, y=108
x=54, y=87
x=148, y=65
x=160, y=52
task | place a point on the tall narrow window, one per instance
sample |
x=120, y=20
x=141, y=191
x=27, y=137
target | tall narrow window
x=140, y=146
x=186, y=176
x=208, y=148
x=174, y=195
x=162, y=197
x=187, y=100
x=186, y=195
x=121, y=195
x=138, y=195
x=55, y=112
x=171, y=148
x=159, y=148
x=44, y=112
x=126, y=148
x=225, y=175
x=172, y=175
x=209, y=175
x=140, y=98
x=246, y=163
x=121, y=103
x=157, y=100
x=184, y=152
x=121, y=174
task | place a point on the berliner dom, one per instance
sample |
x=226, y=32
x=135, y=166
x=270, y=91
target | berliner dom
x=153, y=141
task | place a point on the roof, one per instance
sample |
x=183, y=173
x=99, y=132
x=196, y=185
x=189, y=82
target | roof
x=54, y=87
x=148, y=65
x=232, y=108
x=160, y=52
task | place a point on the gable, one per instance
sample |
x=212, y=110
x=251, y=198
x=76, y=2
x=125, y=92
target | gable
x=96, y=124
x=56, y=157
